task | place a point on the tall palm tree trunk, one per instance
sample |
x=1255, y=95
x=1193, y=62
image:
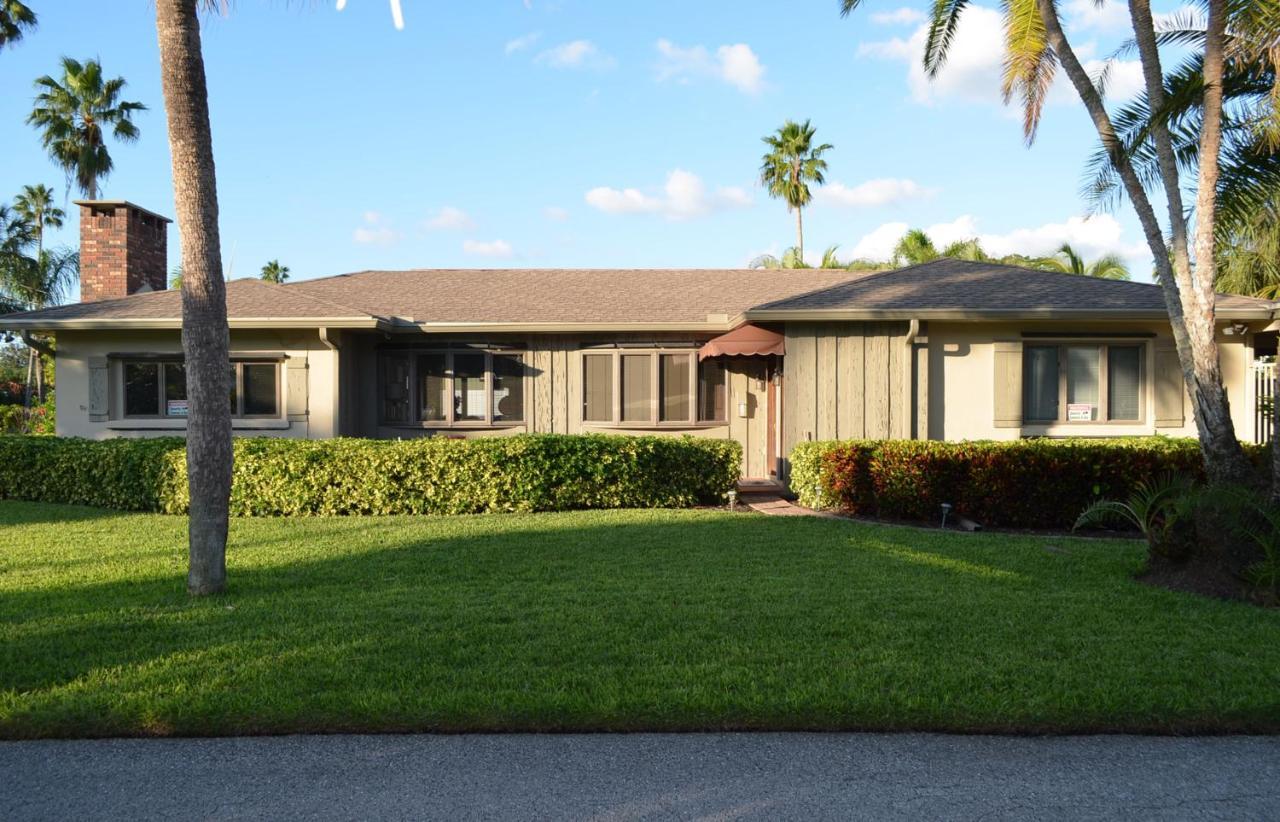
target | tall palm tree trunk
x=800, y=232
x=204, y=304
x=1191, y=313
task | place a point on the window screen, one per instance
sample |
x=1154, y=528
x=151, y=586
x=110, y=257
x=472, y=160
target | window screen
x=468, y=387
x=712, y=393
x=141, y=389
x=1123, y=367
x=636, y=388
x=395, y=389
x=433, y=397
x=261, y=399
x=673, y=387
x=1040, y=382
x=597, y=387
x=1082, y=383
x=508, y=388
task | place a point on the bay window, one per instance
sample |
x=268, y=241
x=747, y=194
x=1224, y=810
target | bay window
x=1082, y=383
x=154, y=388
x=466, y=387
x=652, y=388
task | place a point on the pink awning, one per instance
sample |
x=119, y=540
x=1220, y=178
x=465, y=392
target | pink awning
x=744, y=341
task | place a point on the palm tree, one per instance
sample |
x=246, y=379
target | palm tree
x=1249, y=256
x=969, y=249
x=37, y=283
x=204, y=296
x=1068, y=261
x=791, y=164
x=273, y=272
x=791, y=259
x=35, y=205
x=73, y=116
x=15, y=20
x=1035, y=47
x=914, y=248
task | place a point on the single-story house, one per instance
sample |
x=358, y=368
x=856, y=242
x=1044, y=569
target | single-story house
x=947, y=350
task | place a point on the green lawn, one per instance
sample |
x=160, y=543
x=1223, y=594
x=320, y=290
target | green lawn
x=607, y=620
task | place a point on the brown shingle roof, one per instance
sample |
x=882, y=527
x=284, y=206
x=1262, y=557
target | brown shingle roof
x=246, y=298
x=565, y=295
x=961, y=286
x=676, y=297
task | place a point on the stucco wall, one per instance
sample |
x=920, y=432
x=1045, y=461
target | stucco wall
x=76, y=350
x=961, y=381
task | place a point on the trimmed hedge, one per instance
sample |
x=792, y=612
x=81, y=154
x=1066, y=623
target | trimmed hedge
x=1033, y=483
x=275, y=477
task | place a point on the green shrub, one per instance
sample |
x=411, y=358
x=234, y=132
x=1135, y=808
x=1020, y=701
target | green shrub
x=536, y=472
x=16, y=419
x=1033, y=483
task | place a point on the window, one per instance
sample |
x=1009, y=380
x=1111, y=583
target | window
x=156, y=388
x=653, y=388
x=1079, y=383
x=446, y=388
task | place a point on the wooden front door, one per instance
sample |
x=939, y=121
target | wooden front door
x=750, y=414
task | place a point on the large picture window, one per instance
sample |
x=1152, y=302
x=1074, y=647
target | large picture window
x=652, y=388
x=1082, y=383
x=448, y=388
x=158, y=389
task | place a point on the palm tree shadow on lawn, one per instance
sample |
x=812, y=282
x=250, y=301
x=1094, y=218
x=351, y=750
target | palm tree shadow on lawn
x=564, y=621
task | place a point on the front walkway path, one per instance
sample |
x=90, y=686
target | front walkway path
x=644, y=776
x=775, y=504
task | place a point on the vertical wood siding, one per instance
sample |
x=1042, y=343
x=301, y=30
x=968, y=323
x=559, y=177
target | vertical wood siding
x=848, y=380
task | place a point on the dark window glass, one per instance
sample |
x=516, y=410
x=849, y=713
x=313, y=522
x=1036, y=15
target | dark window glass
x=235, y=392
x=141, y=389
x=1040, y=382
x=433, y=388
x=597, y=387
x=1123, y=368
x=712, y=392
x=673, y=388
x=508, y=388
x=468, y=386
x=260, y=395
x=637, y=394
x=175, y=389
x=395, y=389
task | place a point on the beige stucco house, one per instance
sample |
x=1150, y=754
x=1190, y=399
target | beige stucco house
x=947, y=350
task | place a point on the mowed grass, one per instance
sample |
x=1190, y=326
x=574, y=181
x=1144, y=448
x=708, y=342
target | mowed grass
x=626, y=620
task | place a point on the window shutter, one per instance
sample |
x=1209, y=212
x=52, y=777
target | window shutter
x=98, y=393
x=1169, y=388
x=1008, y=384
x=296, y=387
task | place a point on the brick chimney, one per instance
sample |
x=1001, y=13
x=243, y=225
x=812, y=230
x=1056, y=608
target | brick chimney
x=123, y=250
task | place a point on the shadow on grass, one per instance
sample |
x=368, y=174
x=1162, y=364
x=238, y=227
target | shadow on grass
x=621, y=621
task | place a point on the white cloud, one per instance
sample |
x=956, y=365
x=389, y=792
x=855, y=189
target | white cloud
x=555, y=214
x=1085, y=15
x=449, y=218
x=522, y=42
x=735, y=64
x=495, y=248
x=897, y=17
x=684, y=195
x=1091, y=236
x=880, y=192
x=576, y=54
x=375, y=230
x=974, y=67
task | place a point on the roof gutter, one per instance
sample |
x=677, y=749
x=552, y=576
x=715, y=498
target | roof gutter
x=1110, y=315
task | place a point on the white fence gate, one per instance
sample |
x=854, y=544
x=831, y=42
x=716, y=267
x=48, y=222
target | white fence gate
x=1264, y=390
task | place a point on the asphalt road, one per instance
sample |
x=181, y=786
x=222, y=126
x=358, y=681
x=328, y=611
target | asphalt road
x=644, y=776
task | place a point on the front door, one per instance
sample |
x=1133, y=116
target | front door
x=750, y=414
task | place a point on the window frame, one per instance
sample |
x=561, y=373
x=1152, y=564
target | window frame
x=654, y=419
x=415, y=393
x=1104, y=346
x=163, y=360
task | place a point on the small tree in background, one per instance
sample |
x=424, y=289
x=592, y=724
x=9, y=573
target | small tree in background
x=273, y=272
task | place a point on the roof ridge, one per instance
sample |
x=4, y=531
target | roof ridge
x=312, y=297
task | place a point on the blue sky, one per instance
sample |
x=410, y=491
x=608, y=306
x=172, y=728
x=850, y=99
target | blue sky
x=567, y=133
